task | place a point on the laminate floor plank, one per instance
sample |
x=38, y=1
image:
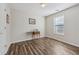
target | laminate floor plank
x=42, y=46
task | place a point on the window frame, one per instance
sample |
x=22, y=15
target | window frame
x=55, y=31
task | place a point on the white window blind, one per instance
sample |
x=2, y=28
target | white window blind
x=59, y=25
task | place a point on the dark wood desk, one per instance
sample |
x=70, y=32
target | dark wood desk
x=35, y=34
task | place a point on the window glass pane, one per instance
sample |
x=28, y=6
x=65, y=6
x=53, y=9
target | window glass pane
x=59, y=25
x=60, y=20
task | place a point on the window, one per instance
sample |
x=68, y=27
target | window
x=59, y=25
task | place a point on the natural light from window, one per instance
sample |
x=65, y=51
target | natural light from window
x=59, y=25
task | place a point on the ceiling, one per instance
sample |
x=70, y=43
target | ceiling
x=36, y=9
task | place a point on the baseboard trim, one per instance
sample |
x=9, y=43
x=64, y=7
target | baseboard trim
x=63, y=41
x=23, y=40
x=72, y=44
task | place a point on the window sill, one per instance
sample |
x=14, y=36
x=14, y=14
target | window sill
x=59, y=34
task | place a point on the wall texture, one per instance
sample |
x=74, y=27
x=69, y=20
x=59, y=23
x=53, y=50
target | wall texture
x=50, y=27
x=4, y=29
x=8, y=27
x=20, y=25
x=71, y=29
x=71, y=25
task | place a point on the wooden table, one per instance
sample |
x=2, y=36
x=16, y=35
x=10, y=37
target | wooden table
x=35, y=34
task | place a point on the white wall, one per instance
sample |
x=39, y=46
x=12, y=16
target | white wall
x=8, y=28
x=49, y=32
x=2, y=29
x=71, y=26
x=4, y=33
x=20, y=25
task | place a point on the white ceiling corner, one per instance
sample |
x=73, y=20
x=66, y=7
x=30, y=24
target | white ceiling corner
x=36, y=9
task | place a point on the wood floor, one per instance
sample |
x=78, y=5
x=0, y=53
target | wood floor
x=42, y=46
